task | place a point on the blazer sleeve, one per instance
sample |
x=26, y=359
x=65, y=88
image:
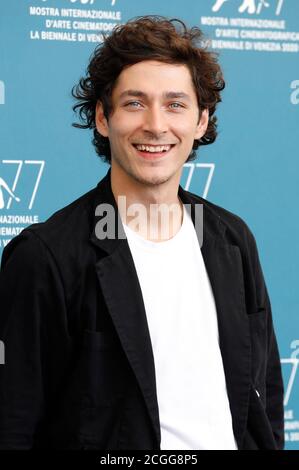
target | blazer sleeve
x=30, y=292
x=274, y=381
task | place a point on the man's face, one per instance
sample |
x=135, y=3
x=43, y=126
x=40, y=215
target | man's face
x=154, y=121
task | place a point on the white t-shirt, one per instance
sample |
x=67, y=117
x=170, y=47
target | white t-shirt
x=181, y=314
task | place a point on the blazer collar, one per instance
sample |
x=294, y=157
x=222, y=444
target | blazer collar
x=211, y=230
x=121, y=289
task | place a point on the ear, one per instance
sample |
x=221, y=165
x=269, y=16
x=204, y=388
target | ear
x=203, y=124
x=101, y=121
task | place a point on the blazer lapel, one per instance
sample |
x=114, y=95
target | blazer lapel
x=121, y=289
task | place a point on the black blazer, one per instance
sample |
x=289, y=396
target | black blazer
x=79, y=367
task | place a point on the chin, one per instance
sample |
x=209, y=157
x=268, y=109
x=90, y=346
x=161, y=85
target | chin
x=152, y=180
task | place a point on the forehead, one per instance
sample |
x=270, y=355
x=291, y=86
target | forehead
x=154, y=77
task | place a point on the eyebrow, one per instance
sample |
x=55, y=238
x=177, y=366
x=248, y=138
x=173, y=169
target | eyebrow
x=167, y=94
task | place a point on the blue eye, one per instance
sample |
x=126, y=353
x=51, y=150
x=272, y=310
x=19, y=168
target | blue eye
x=176, y=105
x=135, y=104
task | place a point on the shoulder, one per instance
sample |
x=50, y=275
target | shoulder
x=68, y=228
x=233, y=233
x=70, y=220
x=234, y=228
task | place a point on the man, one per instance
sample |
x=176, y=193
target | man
x=118, y=336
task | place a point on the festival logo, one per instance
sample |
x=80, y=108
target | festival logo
x=4, y=186
x=19, y=184
x=295, y=93
x=200, y=174
x=291, y=383
x=251, y=6
x=250, y=26
x=10, y=190
x=73, y=20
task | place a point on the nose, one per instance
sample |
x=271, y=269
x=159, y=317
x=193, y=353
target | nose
x=155, y=121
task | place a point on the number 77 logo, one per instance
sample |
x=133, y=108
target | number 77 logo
x=11, y=191
x=293, y=363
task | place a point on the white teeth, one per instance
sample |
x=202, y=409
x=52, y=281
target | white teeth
x=152, y=148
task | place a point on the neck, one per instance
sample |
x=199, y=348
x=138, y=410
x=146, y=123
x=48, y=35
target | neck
x=154, y=211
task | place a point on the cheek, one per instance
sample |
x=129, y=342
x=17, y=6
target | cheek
x=123, y=126
x=187, y=126
x=117, y=136
x=187, y=132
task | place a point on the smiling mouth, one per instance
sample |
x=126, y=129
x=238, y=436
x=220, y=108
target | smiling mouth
x=153, y=149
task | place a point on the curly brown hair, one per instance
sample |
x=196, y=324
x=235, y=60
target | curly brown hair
x=148, y=38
